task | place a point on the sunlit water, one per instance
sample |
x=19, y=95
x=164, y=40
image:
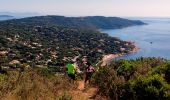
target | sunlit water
x=152, y=39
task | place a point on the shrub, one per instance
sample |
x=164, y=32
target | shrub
x=108, y=82
x=126, y=69
x=125, y=79
x=150, y=87
x=167, y=74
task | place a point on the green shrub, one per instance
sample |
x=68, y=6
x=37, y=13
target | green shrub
x=124, y=66
x=108, y=82
x=150, y=87
x=126, y=69
x=139, y=79
x=162, y=69
x=167, y=73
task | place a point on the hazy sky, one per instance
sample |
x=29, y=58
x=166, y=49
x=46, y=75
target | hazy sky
x=89, y=7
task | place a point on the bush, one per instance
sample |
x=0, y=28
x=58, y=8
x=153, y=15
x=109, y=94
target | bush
x=108, y=82
x=126, y=79
x=126, y=69
x=151, y=87
x=167, y=73
x=162, y=69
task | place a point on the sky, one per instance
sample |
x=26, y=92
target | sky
x=136, y=8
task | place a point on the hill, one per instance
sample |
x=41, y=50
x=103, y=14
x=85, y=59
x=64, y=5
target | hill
x=98, y=22
x=20, y=14
x=143, y=78
x=6, y=17
x=54, y=40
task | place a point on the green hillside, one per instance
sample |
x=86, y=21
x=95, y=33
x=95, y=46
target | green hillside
x=91, y=22
x=54, y=40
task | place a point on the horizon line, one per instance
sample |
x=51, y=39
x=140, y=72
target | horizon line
x=43, y=14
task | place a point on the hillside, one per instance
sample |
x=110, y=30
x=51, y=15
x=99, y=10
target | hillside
x=93, y=22
x=34, y=51
x=140, y=79
x=54, y=40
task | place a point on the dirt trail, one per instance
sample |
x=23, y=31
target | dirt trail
x=80, y=85
x=83, y=94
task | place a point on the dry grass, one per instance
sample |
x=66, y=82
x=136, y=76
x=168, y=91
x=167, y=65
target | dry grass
x=30, y=85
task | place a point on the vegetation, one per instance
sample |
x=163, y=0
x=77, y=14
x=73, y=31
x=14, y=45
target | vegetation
x=140, y=79
x=31, y=84
x=54, y=40
x=143, y=78
x=93, y=22
x=34, y=50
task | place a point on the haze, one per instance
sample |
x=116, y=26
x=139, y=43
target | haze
x=149, y=8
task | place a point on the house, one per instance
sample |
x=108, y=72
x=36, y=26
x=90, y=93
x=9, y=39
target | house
x=3, y=53
x=14, y=62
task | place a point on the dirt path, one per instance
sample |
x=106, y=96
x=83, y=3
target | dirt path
x=83, y=94
x=80, y=85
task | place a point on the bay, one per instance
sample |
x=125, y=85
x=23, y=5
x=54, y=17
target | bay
x=152, y=39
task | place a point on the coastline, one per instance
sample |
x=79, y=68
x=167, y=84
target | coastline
x=109, y=57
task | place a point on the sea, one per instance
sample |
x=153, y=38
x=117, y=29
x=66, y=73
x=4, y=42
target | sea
x=153, y=39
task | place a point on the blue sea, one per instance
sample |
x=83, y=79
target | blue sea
x=152, y=39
